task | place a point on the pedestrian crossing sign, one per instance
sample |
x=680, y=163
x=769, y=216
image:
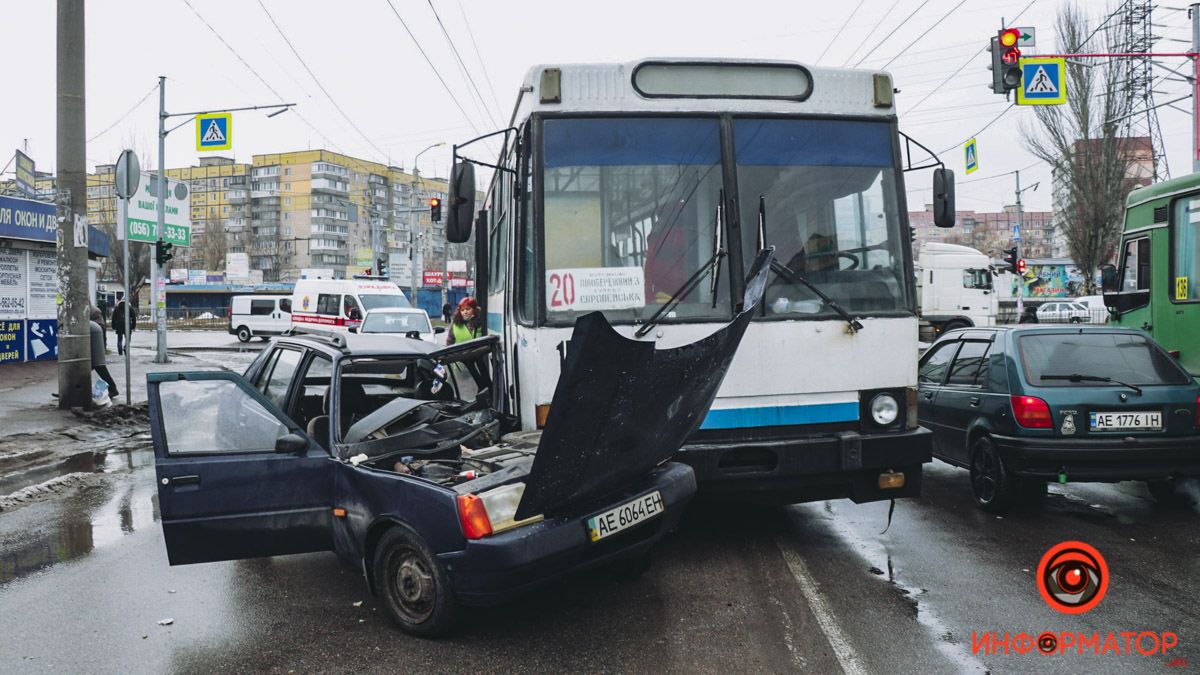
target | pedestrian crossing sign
x=1043, y=81
x=972, y=156
x=214, y=131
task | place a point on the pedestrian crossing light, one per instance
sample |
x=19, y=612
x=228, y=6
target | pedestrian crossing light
x=162, y=252
x=1021, y=266
x=435, y=209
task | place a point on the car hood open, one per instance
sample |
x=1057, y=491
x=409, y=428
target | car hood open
x=622, y=407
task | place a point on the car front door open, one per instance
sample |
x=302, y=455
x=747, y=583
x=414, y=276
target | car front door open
x=236, y=477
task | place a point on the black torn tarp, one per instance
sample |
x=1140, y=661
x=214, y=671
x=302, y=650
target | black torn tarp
x=622, y=407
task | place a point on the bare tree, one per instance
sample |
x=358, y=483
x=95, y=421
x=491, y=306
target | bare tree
x=1086, y=143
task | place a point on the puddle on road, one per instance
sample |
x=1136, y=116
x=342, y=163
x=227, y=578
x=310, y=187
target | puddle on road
x=90, y=517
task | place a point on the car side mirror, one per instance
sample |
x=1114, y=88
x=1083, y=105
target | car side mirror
x=291, y=443
x=1108, y=277
x=437, y=330
x=943, y=197
x=413, y=334
x=461, y=202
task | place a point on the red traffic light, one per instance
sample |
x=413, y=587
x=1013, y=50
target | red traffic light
x=1011, y=56
x=1021, y=266
x=435, y=202
x=1010, y=37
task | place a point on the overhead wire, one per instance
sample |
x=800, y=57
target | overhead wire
x=432, y=67
x=838, y=34
x=927, y=32
x=256, y=74
x=383, y=154
x=463, y=66
x=894, y=31
x=870, y=33
x=127, y=114
x=482, y=65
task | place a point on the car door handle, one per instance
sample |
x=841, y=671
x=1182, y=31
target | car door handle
x=193, y=479
x=928, y=395
x=975, y=400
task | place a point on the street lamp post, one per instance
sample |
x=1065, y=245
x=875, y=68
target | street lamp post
x=413, y=238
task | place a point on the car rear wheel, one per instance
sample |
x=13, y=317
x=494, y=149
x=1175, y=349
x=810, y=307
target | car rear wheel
x=243, y=334
x=1176, y=493
x=415, y=588
x=1076, y=319
x=992, y=486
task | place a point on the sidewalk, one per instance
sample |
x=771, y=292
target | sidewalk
x=27, y=404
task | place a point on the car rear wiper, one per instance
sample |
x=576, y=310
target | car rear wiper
x=1076, y=377
x=792, y=277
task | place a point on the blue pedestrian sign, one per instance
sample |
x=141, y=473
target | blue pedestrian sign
x=1043, y=81
x=214, y=131
x=972, y=156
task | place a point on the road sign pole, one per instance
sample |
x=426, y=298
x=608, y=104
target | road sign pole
x=123, y=227
x=156, y=274
x=1020, y=281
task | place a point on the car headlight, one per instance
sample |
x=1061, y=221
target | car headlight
x=501, y=505
x=884, y=409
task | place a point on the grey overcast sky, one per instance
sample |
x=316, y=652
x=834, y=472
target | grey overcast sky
x=361, y=54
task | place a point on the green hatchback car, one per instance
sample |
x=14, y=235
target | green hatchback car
x=1019, y=406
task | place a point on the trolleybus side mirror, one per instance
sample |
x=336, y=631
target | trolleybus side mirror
x=461, y=213
x=943, y=197
x=1108, y=278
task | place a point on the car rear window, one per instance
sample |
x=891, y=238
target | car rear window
x=1125, y=357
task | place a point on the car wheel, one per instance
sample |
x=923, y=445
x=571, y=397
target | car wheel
x=243, y=334
x=1076, y=319
x=1176, y=493
x=991, y=484
x=415, y=588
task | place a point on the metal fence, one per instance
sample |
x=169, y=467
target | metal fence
x=1008, y=315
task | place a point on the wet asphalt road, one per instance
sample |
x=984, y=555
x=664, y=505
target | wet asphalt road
x=84, y=582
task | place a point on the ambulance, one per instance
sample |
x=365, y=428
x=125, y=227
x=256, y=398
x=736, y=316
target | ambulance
x=340, y=304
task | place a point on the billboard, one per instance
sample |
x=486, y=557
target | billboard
x=1050, y=280
x=26, y=176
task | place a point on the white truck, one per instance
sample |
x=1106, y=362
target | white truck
x=955, y=289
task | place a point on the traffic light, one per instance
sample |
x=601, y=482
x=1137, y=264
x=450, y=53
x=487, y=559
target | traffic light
x=435, y=209
x=381, y=266
x=1010, y=260
x=1006, y=61
x=1021, y=266
x=162, y=252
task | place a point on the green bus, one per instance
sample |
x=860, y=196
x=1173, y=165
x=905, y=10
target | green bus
x=1156, y=283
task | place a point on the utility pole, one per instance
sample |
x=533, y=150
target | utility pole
x=74, y=335
x=158, y=289
x=1194, y=12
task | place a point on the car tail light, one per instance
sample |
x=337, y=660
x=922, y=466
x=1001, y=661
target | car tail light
x=474, y=517
x=1032, y=412
x=1196, y=420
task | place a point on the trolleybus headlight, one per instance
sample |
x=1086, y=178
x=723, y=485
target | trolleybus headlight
x=884, y=409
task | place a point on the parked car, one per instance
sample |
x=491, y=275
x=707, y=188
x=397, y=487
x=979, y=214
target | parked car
x=409, y=321
x=398, y=456
x=1063, y=312
x=259, y=316
x=1022, y=405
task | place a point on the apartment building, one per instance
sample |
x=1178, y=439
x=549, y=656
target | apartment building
x=988, y=232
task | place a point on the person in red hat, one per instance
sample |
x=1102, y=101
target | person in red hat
x=466, y=323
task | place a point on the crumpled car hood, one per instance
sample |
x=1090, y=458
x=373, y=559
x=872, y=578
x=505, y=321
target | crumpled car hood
x=622, y=407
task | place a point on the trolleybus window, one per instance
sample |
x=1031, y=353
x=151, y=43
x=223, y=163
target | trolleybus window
x=1185, y=281
x=829, y=188
x=629, y=214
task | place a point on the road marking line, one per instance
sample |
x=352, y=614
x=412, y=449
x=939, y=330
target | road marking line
x=849, y=660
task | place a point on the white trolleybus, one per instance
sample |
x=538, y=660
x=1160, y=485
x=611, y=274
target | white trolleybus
x=643, y=190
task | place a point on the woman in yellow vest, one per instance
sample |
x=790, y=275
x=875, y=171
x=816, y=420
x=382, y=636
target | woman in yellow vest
x=466, y=324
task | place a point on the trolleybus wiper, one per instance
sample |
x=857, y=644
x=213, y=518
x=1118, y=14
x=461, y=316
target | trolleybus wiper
x=787, y=273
